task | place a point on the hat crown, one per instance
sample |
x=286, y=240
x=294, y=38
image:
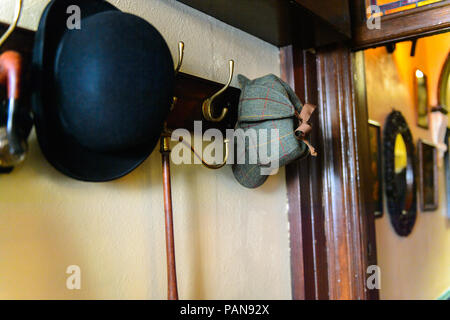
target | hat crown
x=113, y=82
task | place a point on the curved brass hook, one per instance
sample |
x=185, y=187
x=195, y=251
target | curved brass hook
x=180, y=56
x=13, y=25
x=204, y=163
x=177, y=69
x=207, y=104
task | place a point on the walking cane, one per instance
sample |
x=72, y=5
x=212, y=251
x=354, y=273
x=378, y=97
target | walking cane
x=172, y=291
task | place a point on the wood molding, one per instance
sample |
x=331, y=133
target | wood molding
x=335, y=13
x=342, y=198
x=331, y=223
x=405, y=25
x=307, y=23
x=340, y=194
x=366, y=177
x=304, y=184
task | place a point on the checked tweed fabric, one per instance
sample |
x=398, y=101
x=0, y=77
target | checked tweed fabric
x=266, y=103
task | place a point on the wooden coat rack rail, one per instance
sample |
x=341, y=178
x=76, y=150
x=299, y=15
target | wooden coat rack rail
x=190, y=90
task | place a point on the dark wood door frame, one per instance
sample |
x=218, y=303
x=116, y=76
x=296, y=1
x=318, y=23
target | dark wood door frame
x=332, y=224
x=332, y=228
x=304, y=180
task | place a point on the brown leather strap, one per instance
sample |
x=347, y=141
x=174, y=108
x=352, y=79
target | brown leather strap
x=305, y=126
x=312, y=150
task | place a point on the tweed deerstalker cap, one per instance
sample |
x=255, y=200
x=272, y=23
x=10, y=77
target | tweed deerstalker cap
x=274, y=123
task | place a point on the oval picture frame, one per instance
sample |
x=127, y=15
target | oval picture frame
x=402, y=215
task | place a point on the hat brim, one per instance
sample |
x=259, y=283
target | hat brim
x=80, y=163
x=249, y=175
x=61, y=150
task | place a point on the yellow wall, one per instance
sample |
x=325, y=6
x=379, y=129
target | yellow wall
x=416, y=267
x=231, y=243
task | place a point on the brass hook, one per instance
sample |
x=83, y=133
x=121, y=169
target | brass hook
x=204, y=163
x=177, y=69
x=207, y=104
x=13, y=25
x=180, y=56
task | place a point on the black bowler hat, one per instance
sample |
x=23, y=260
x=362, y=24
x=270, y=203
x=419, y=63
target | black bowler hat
x=102, y=92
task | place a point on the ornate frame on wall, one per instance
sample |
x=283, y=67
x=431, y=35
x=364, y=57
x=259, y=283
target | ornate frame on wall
x=376, y=163
x=403, y=217
x=447, y=170
x=443, y=82
x=424, y=204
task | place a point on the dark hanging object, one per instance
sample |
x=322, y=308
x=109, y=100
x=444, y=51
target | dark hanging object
x=101, y=93
x=440, y=109
x=15, y=120
x=400, y=183
x=13, y=128
x=390, y=48
x=413, y=47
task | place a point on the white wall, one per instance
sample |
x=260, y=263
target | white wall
x=231, y=243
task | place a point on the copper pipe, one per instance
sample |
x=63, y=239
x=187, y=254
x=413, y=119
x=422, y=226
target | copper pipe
x=172, y=291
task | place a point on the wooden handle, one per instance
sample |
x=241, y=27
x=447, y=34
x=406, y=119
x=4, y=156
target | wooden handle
x=10, y=73
x=172, y=291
